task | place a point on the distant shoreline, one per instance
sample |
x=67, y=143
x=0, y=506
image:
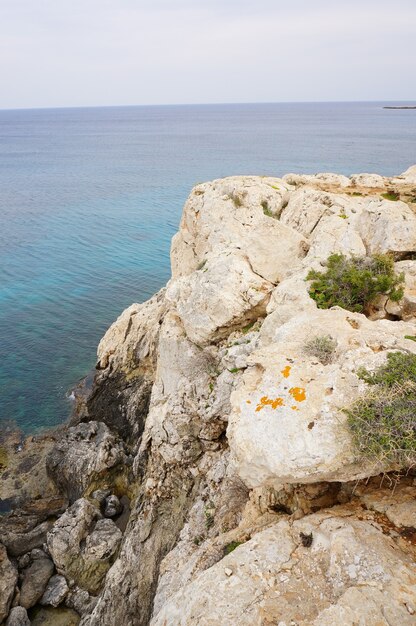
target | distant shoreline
x=402, y=107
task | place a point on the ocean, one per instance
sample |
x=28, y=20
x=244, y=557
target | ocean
x=90, y=198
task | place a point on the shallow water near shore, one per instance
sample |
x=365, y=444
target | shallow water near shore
x=90, y=198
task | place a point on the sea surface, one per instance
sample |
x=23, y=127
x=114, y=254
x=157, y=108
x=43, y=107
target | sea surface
x=90, y=198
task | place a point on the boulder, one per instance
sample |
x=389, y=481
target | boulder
x=8, y=580
x=112, y=507
x=55, y=592
x=34, y=581
x=84, y=453
x=18, y=617
x=83, y=545
x=223, y=295
x=387, y=227
x=50, y=616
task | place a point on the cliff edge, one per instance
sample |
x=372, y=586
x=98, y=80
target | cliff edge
x=212, y=475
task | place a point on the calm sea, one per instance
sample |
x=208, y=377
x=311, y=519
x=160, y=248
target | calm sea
x=90, y=198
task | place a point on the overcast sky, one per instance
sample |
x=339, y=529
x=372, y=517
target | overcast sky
x=104, y=52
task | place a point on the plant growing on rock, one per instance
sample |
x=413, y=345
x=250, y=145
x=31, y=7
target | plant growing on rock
x=354, y=283
x=322, y=347
x=383, y=421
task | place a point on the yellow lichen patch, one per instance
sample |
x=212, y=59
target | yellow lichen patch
x=298, y=393
x=294, y=408
x=273, y=403
x=248, y=401
x=286, y=371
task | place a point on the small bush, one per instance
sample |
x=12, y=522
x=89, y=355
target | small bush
x=391, y=195
x=322, y=347
x=383, y=421
x=230, y=547
x=354, y=283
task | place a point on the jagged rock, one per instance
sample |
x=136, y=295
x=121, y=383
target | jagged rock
x=113, y=506
x=126, y=365
x=18, y=617
x=287, y=423
x=55, y=592
x=8, y=580
x=83, y=545
x=83, y=453
x=406, y=308
x=346, y=569
x=35, y=580
x=80, y=600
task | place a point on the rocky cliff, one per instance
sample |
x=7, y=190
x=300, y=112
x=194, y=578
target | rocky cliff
x=211, y=477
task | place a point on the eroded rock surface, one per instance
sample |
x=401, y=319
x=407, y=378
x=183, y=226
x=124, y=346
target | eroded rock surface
x=211, y=474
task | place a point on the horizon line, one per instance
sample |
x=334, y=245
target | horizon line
x=191, y=104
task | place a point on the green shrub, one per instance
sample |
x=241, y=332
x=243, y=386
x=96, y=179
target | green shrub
x=354, y=283
x=391, y=195
x=383, y=421
x=322, y=347
x=230, y=547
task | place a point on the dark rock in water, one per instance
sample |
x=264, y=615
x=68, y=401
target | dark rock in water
x=49, y=616
x=8, y=580
x=122, y=404
x=18, y=617
x=35, y=579
x=83, y=452
x=113, y=506
x=55, y=592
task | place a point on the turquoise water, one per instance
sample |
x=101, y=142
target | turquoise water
x=90, y=198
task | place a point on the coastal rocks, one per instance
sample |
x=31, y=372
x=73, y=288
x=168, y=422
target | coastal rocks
x=329, y=564
x=34, y=581
x=83, y=454
x=287, y=423
x=18, y=617
x=126, y=363
x=8, y=580
x=83, y=545
x=55, y=592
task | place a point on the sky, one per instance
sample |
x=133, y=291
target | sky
x=124, y=52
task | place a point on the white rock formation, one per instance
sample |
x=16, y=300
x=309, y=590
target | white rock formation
x=244, y=431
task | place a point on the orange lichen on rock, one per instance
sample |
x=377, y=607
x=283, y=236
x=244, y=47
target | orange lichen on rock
x=286, y=371
x=265, y=401
x=294, y=408
x=298, y=393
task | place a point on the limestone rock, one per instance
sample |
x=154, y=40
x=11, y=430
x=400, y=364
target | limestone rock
x=83, y=545
x=35, y=580
x=286, y=423
x=18, y=617
x=225, y=294
x=55, y=592
x=348, y=570
x=368, y=180
x=83, y=453
x=387, y=227
x=8, y=580
x=233, y=214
